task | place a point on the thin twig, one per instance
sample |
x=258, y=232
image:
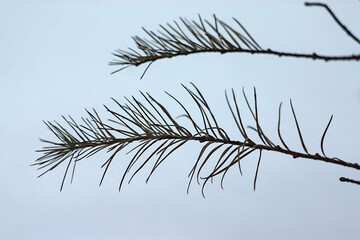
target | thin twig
x=344, y=179
x=342, y=26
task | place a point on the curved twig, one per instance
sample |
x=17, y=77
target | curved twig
x=342, y=26
x=323, y=136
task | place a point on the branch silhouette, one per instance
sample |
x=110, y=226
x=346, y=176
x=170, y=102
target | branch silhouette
x=202, y=36
x=150, y=132
x=155, y=134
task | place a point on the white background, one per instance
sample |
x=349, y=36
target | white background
x=53, y=58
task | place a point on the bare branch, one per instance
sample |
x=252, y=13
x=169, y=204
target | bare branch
x=342, y=26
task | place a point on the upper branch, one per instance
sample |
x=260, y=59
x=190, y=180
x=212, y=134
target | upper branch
x=204, y=37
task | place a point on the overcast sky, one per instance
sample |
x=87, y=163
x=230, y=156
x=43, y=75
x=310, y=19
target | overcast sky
x=54, y=61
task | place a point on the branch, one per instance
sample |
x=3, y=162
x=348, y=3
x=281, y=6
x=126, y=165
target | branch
x=343, y=179
x=342, y=26
x=202, y=37
x=155, y=134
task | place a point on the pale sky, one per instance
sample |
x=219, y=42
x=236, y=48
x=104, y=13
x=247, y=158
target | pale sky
x=54, y=61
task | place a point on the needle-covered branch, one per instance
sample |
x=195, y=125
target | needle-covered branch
x=191, y=37
x=151, y=134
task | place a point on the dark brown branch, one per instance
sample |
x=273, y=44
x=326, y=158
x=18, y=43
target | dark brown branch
x=342, y=26
x=313, y=56
x=201, y=139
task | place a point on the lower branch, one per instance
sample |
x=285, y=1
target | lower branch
x=157, y=134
